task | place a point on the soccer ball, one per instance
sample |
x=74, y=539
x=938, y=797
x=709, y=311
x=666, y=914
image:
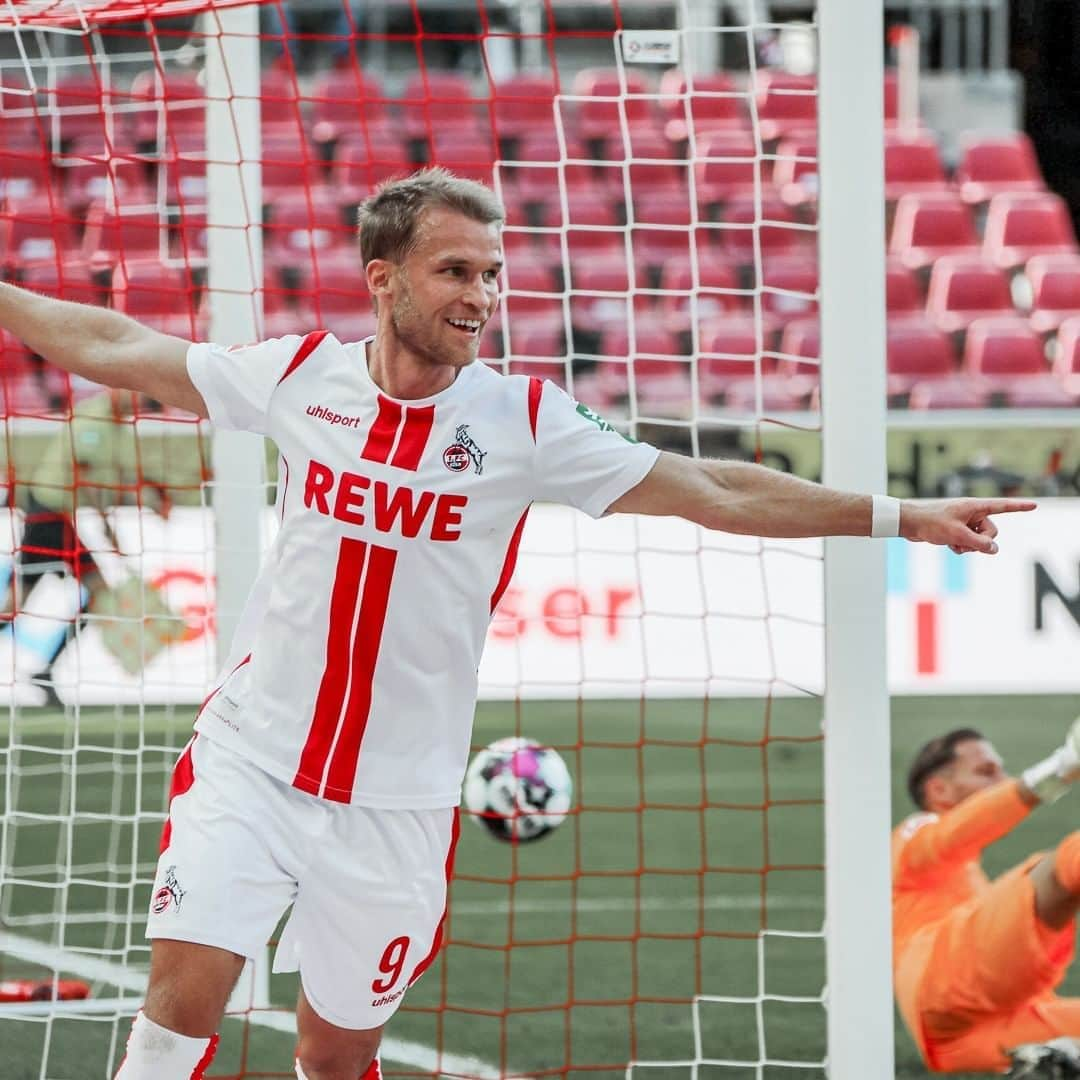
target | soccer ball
x=517, y=789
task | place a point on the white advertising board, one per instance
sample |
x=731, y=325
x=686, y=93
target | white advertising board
x=619, y=607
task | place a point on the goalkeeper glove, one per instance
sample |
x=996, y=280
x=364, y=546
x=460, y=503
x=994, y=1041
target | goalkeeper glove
x=1050, y=778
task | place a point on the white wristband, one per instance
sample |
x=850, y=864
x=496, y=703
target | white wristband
x=885, y=517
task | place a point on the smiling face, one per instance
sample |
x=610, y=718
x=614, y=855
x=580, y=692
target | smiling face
x=433, y=305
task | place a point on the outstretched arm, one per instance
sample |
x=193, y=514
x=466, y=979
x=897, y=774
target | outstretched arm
x=740, y=497
x=102, y=345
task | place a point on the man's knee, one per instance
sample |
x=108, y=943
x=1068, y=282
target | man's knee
x=318, y=1060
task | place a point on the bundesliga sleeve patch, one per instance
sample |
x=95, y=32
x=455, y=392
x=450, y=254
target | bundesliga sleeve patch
x=595, y=418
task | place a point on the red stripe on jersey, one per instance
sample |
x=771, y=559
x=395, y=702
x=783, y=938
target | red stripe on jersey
x=324, y=722
x=380, y=440
x=510, y=561
x=182, y=778
x=204, y=1061
x=307, y=347
x=365, y=654
x=455, y=833
x=414, y=437
x=536, y=389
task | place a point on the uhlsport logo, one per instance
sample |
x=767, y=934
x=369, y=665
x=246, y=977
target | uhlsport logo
x=169, y=893
x=456, y=458
x=926, y=577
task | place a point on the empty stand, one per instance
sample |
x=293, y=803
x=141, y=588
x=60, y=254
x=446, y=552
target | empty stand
x=912, y=165
x=1011, y=356
x=1055, y=286
x=964, y=288
x=704, y=103
x=785, y=103
x=928, y=226
x=991, y=165
x=1019, y=227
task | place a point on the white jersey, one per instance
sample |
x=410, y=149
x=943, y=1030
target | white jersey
x=352, y=674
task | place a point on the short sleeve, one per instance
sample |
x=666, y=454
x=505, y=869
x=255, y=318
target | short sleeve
x=237, y=381
x=581, y=460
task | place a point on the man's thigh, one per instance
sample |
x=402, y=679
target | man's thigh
x=369, y=912
x=991, y=959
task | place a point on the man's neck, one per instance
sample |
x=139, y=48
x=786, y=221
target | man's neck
x=402, y=375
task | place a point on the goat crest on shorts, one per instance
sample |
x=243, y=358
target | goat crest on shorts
x=518, y=790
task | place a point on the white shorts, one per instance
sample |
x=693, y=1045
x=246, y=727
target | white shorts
x=367, y=887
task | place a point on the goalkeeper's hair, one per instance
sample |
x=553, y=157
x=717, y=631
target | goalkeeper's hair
x=388, y=219
x=936, y=755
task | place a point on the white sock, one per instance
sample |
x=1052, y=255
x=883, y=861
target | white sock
x=155, y=1053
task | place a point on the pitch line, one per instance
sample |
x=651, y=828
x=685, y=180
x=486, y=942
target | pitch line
x=95, y=969
x=649, y=903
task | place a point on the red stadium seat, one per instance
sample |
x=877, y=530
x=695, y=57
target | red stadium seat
x=662, y=229
x=795, y=171
x=280, y=107
x=531, y=297
x=789, y=286
x=523, y=105
x=80, y=101
x=174, y=106
x=37, y=229
x=712, y=102
x=902, y=290
x=661, y=374
x=711, y=291
x=730, y=347
x=964, y=288
x=773, y=394
x=593, y=224
x=63, y=280
x=727, y=166
x=928, y=226
x=1019, y=227
x=916, y=350
x=25, y=171
x=1067, y=354
x=148, y=288
x=990, y=165
x=1055, y=286
x=655, y=169
x=122, y=235
x=785, y=103
x=465, y=154
x=540, y=166
x=440, y=100
x=365, y=159
x=912, y=164
x=948, y=392
x=346, y=101
x=290, y=164
x=600, y=293
x=536, y=341
x=800, y=344
x=334, y=280
x=773, y=230
x=1012, y=359
x=597, y=118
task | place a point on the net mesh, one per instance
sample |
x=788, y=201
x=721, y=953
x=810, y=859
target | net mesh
x=660, y=183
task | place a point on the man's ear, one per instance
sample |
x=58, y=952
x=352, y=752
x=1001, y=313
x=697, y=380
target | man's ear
x=380, y=273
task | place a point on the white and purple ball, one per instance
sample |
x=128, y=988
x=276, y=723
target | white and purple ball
x=517, y=789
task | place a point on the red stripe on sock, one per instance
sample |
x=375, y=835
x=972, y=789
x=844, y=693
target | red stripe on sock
x=307, y=347
x=365, y=655
x=380, y=440
x=204, y=1061
x=509, y=561
x=414, y=437
x=331, y=694
x=455, y=833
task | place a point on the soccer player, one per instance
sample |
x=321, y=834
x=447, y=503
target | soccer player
x=327, y=763
x=976, y=962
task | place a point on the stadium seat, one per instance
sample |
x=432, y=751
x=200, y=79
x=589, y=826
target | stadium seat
x=346, y=101
x=729, y=348
x=795, y=171
x=540, y=163
x=65, y=280
x=91, y=171
x=149, y=288
x=727, y=166
x=439, y=101
x=531, y=297
x=711, y=291
x=964, y=288
x=1019, y=227
x=1066, y=365
x=912, y=165
x=333, y=279
x=126, y=235
x=600, y=293
x=185, y=177
x=800, y=348
x=464, y=153
x=773, y=393
x=655, y=168
x=603, y=100
x=523, y=105
x=363, y=160
x=744, y=229
x=916, y=351
x=902, y=290
x=948, y=392
x=593, y=225
x=37, y=229
x=991, y=165
x=926, y=227
x=536, y=343
x=661, y=373
x=80, y=101
x=789, y=286
x=290, y=164
x=1011, y=358
x=785, y=103
x=168, y=106
x=1055, y=287
x=712, y=102
x=662, y=229
x=280, y=105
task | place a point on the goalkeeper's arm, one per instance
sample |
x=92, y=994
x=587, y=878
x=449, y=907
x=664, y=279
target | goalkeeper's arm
x=102, y=345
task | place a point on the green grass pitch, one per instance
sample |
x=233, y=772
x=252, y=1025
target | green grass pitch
x=654, y=891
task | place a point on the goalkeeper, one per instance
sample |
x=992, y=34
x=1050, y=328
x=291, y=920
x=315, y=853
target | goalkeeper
x=976, y=962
